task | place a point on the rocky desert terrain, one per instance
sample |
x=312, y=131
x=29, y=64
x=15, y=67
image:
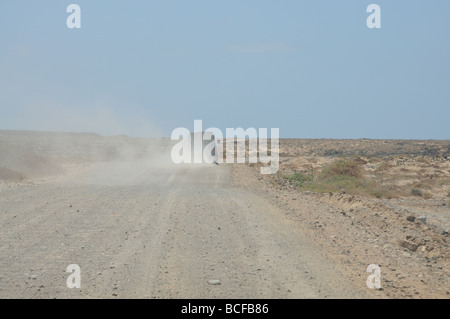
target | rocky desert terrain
x=140, y=226
x=384, y=202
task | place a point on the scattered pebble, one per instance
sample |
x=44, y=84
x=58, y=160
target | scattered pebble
x=411, y=218
x=423, y=219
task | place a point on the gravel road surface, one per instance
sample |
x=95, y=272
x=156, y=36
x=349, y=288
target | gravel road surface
x=142, y=231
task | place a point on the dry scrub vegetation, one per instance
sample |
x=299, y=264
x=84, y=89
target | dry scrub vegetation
x=372, y=176
x=380, y=178
x=377, y=168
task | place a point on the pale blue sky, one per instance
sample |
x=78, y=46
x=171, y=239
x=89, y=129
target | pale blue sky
x=310, y=68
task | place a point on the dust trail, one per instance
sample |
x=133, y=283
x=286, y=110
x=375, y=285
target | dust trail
x=26, y=155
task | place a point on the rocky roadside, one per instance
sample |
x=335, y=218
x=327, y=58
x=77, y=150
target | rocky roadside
x=356, y=231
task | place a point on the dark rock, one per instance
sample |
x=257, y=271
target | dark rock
x=408, y=245
x=423, y=219
x=411, y=218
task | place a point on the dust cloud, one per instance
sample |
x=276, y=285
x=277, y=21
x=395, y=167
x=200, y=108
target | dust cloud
x=31, y=155
x=55, y=142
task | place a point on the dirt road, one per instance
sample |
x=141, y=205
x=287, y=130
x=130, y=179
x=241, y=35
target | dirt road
x=156, y=232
